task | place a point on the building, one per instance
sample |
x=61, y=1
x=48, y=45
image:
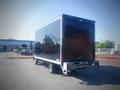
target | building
x=11, y=44
x=117, y=47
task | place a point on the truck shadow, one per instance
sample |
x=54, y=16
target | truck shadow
x=109, y=75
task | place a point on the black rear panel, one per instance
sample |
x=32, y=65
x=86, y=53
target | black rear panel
x=78, y=39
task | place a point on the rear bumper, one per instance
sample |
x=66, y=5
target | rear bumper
x=74, y=66
x=78, y=67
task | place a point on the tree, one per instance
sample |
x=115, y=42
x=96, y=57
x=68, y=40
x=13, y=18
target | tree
x=100, y=45
x=109, y=44
x=105, y=44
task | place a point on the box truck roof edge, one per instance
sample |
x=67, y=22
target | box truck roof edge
x=62, y=15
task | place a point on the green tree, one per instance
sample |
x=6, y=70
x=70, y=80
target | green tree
x=105, y=44
x=109, y=44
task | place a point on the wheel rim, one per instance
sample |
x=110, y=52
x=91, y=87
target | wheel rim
x=50, y=68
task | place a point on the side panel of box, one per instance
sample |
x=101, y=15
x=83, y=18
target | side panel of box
x=47, y=43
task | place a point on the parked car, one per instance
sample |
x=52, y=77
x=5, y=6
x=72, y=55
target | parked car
x=27, y=53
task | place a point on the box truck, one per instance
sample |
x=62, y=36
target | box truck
x=66, y=44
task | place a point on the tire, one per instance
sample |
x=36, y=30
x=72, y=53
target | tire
x=96, y=65
x=52, y=68
x=36, y=61
x=40, y=62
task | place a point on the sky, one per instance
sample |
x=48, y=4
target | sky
x=20, y=19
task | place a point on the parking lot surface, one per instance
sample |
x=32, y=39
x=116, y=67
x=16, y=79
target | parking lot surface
x=23, y=74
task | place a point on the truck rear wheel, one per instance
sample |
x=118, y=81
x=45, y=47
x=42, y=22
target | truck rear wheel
x=51, y=68
x=96, y=65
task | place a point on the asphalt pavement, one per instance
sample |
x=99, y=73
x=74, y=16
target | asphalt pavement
x=23, y=74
